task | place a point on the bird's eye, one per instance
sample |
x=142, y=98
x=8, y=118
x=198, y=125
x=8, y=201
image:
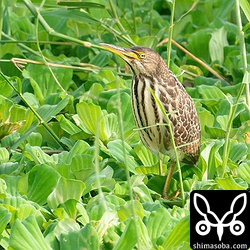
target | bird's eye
x=142, y=55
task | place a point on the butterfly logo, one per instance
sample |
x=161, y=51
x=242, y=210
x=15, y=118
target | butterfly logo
x=203, y=227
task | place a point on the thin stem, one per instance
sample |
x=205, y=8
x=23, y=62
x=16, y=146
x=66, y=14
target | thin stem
x=151, y=17
x=244, y=84
x=20, y=44
x=40, y=119
x=242, y=48
x=170, y=32
x=171, y=133
x=117, y=20
x=1, y=16
x=52, y=32
x=207, y=67
x=133, y=15
x=97, y=164
x=45, y=61
x=120, y=122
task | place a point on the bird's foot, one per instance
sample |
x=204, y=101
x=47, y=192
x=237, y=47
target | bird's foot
x=175, y=195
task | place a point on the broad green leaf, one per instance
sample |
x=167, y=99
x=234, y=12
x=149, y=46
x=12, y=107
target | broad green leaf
x=25, y=210
x=79, y=148
x=82, y=166
x=4, y=155
x=178, y=235
x=66, y=226
x=212, y=157
x=45, y=80
x=159, y=231
x=92, y=118
x=3, y=188
x=47, y=112
x=211, y=92
x=68, y=126
x=140, y=190
x=237, y=151
x=37, y=155
x=130, y=233
x=104, y=179
x=86, y=238
x=5, y=217
x=35, y=139
x=243, y=171
x=223, y=121
x=245, y=6
x=131, y=208
x=65, y=189
x=27, y=235
x=82, y=215
x=197, y=40
x=123, y=153
x=126, y=115
x=230, y=183
x=144, y=241
x=108, y=219
x=217, y=43
x=146, y=157
x=42, y=180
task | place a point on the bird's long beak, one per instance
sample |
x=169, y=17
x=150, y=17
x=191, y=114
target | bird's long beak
x=127, y=54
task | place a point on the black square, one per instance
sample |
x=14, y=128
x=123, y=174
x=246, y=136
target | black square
x=219, y=219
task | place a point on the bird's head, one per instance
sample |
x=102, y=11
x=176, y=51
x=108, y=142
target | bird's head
x=142, y=60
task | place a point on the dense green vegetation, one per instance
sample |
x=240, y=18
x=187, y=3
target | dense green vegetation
x=73, y=172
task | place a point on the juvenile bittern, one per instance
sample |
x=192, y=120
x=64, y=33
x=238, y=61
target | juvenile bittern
x=150, y=73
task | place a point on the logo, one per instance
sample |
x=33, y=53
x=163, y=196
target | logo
x=219, y=218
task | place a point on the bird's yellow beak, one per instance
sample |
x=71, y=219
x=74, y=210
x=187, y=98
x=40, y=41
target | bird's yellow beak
x=126, y=54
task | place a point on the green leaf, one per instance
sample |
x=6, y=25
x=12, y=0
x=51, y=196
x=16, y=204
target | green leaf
x=159, y=231
x=65, y=190
x=237, y=151
x=27, y=235
x=4, y=155
x=43, y=80
x=42, y=180
x=123, y=153
x=217, y=43
x=179, y=234
x=230, y=183
x=82, y=166
x=86, y=238
x=146, y=157
x=5, y=217
x=131, y=208
x=223, y=121
x=92, y=118
x=243, y=171
x=245, y=6
x=3, y=188
x=25, y=210
x=130, y=233
x=37, y=155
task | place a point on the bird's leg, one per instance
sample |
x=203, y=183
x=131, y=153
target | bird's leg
x=167, y=184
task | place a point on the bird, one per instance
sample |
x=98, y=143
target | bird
x=153, y=81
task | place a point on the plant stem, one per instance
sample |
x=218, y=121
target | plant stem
x=40, y=119
x=133, y=15
x=151, y=17
x=168, y=124
x=244, y=84
x=52, y=32
x=1, y=16
x=170, y=32
x=242, y=48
